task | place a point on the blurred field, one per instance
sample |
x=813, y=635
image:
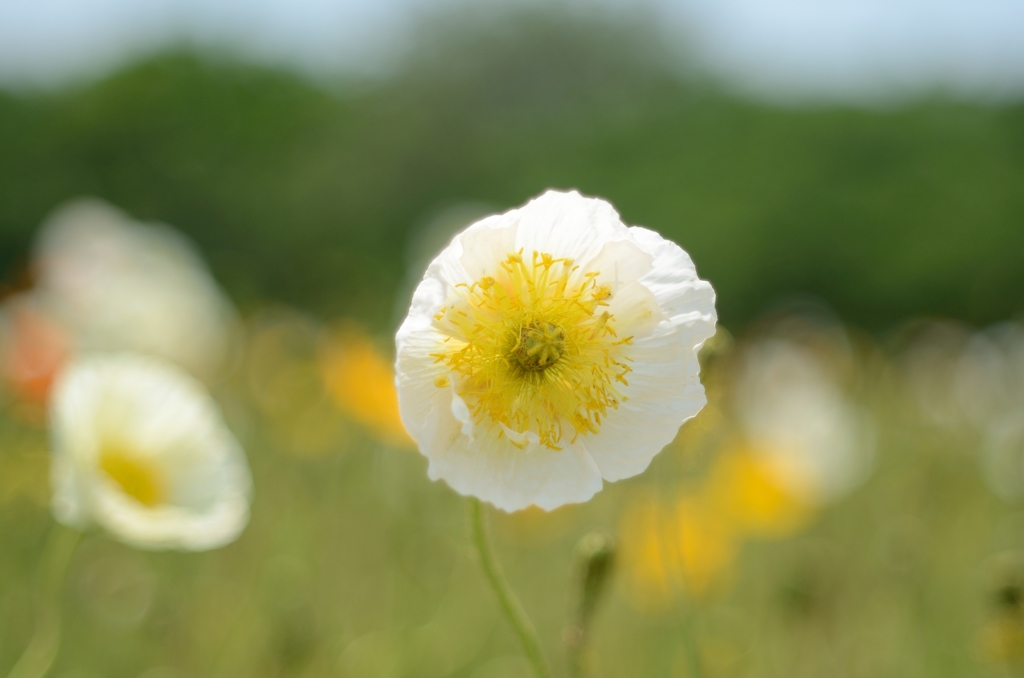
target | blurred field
x=317, y=205
x=355, y=565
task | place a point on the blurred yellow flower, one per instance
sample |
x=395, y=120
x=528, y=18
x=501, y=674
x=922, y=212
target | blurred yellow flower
x=747, y=489
x=139, y=448
x=361, y=381
x=690, y=543
x=549, y=349
x=677, y=546
x=707, y=543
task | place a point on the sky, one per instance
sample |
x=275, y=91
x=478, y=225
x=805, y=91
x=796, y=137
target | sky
x=833, y=49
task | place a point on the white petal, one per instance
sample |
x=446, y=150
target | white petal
x=664, y=388
x=636, y=310
x=66, y=500
x=511, y=478
x=426, y=407
x=72, y=439
x=460, y=410
x=486, y=243
x=664, y=391
x=673, y=279
x=620, y=262
x=169, y=526
x=568, y=225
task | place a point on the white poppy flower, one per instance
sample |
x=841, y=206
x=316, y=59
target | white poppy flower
x=140, y=449
x=119, y=285
x=550, y=347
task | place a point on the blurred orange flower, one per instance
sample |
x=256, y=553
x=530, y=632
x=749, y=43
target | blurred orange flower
x=34, y=347
x=361, y=381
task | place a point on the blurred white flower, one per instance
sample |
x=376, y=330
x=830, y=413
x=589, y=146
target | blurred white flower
x=119, y=285
x=1003, y=457
x=989, y=387
x=794, y=411
x=139, y=448
x=989, y=383
x=929, y=364
x=550, y=347
x=972, y=383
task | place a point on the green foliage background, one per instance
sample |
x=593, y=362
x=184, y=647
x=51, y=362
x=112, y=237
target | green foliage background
x=303, y=193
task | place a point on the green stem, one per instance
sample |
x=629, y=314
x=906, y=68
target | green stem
x=514, y=613
x=41, y=650
x=593, y=558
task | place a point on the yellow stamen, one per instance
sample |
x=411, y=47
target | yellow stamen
x=137, y=477
x=532, y=349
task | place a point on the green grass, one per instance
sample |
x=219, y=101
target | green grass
x=355, y=564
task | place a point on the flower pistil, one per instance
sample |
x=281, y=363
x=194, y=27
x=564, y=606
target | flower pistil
x=534, y=350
